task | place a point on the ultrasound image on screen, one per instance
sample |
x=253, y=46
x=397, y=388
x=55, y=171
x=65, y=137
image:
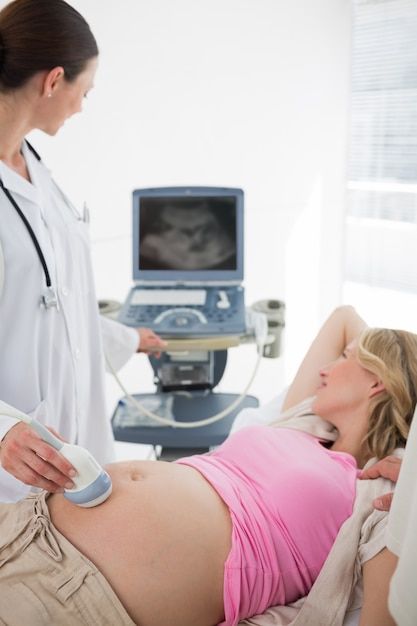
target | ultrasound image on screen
x=186, y=234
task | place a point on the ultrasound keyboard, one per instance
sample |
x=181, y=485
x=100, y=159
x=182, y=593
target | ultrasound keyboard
x=186, y=312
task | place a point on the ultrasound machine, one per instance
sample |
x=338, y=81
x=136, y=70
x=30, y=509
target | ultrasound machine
x=188, y=287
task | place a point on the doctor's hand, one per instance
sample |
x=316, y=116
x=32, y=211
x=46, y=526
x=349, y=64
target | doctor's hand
x=150, y=342
x=34, y=462
x=387, y=468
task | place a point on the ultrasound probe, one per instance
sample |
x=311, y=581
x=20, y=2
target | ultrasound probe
x=92, y=483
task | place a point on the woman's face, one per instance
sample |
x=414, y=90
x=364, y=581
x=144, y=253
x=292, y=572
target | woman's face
x=67, y=99
x=345, y=386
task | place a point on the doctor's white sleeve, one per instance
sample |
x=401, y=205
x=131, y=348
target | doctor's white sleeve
x=402, y=536
x=120, y=342
x=6, y=423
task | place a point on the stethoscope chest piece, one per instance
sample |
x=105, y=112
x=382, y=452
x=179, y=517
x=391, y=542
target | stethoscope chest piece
x=49, y=299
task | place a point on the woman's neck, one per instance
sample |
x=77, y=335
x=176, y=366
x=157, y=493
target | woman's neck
x=351, y=446
x=14, y=126
x=351, y=437
x=352, y=424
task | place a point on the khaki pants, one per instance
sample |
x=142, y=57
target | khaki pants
x=44, y=579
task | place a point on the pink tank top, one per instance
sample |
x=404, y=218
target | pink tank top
x=288, y=496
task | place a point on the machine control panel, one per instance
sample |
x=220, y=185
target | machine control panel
x=186, y=312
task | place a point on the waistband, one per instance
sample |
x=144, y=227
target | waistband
x=30, y=544
x=31, y=520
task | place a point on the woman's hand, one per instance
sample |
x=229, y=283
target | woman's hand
x=387, y=468
x=34, y=462
x=150, y=342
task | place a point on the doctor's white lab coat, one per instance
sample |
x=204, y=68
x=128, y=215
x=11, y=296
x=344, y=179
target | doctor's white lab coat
x=52, y=361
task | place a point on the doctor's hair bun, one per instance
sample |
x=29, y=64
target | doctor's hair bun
x=38, y=35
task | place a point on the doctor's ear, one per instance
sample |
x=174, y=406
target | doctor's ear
x=52, y=80
x=376, y=388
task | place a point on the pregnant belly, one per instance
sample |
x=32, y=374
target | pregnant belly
x=161, y=540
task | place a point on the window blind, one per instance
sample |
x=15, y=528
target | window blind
x=381, y=224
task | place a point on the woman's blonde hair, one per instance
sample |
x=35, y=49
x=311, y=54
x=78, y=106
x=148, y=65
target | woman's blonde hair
x=392, y=356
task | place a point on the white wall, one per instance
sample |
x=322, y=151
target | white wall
x=249, y=93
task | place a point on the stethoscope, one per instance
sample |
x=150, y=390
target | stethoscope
x=49, y=298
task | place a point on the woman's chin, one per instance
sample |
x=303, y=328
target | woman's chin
x=51, y=129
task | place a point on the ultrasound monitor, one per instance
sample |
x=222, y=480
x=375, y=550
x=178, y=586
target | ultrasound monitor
x=187, y=262
x=188, y=234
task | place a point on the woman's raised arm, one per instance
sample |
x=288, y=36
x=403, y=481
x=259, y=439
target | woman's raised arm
x=343, y=325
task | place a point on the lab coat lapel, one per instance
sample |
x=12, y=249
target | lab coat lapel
x=39, y=174
x=18, y=185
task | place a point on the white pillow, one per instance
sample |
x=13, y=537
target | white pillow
x=261, y=415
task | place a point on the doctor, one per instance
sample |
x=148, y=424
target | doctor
x=52, y=340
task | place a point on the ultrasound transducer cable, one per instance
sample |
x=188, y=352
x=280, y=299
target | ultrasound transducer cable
x=257, y=321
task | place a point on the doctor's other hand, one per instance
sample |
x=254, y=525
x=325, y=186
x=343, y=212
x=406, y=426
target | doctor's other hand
x=34, y=462
x=150, y=342
x=387, y=468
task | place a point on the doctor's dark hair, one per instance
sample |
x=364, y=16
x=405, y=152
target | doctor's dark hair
x=37, y=35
